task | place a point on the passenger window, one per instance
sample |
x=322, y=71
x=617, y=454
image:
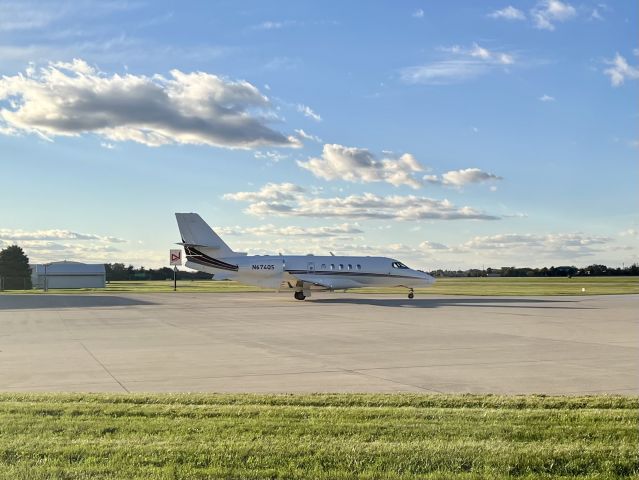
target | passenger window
x=323, y=266
x=341, y=266
x=350, y=267
x=332, y=266
x=359, y=267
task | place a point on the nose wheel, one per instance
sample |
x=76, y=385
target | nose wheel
x=411, y=295
x=299, y=296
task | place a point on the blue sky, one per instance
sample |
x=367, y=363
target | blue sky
x=488, y=133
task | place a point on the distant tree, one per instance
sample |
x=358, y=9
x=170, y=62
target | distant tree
x=597, y=270
x=14, y=269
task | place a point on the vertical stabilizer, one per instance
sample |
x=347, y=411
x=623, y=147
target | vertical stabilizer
x=197, y=233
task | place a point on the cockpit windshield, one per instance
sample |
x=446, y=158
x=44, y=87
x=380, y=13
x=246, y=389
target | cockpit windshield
x=399, y=265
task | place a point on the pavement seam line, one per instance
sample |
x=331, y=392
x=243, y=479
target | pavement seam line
x=104, y=367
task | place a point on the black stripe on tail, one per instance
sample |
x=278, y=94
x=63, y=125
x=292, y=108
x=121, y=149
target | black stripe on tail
x=195, y=256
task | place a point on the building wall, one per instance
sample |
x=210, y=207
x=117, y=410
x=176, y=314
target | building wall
x=73, y=281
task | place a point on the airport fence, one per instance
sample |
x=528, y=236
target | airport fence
x=15, y=283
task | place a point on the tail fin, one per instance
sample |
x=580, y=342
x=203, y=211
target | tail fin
x=196, y=232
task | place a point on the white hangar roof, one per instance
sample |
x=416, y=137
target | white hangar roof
x=70, y=268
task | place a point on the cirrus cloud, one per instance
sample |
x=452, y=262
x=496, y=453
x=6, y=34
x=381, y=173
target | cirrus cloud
x=459, y=64
x=73, y=98
x=308, y=112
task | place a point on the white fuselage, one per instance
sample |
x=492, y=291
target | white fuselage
x=332, y=272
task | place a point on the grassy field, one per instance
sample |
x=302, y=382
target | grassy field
x=443, y=286
x=317, y=436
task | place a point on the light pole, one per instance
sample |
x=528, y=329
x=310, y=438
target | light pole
x=46, y=279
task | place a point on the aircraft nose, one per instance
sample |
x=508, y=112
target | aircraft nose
x=426, y=277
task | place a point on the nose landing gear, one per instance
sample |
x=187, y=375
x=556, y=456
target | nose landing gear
x=411, y=295
x=299, y=296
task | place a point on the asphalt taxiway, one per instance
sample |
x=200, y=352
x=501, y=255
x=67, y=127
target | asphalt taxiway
x=267, y=342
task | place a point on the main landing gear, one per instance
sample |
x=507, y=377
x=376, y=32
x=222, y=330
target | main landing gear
x=299, y=296
x=411, y=295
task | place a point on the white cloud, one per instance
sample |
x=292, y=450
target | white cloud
x=344, y=229
x=459, y=178
x=69, y=99
x=419, y=13
x=308, y=112
x=631, y=232
x=308, y=136
x=443, y=72
x=268, y=25
x=461, y=64
x=10, y=235
x=58, y=244
x=272, y=192
x=620, y=71
x=546, y=98
x=359, y=165
x=88, y=252
x=276, y=25
x=107, y=145
x=18, y=15
x=547, y=12
x=428, y=246
x=595, y=15
x=273, y=156
x=508, y=13
x=293, y=201
x=559, y=245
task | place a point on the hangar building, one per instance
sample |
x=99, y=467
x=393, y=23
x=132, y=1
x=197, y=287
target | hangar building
x=68, y=275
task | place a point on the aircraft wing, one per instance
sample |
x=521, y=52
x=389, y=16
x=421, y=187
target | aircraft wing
x=327, y=281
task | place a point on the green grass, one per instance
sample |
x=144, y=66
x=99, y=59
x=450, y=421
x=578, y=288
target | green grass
x=443, y=286
x=339, y=436
x=524, y=286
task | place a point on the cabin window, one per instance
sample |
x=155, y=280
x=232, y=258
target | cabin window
x=323, y=266
x=350, y=267
x=359, y=267
x=341, y=266
x=332, y=266
x=399, y=265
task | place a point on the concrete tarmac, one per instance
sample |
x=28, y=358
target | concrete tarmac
x=267, y=342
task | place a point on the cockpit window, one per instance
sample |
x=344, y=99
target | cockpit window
x=399, y=265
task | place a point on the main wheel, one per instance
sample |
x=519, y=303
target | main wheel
x=411, y=295
x=299, y=296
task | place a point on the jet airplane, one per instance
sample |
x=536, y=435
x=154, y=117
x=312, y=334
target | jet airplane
x=207, y=252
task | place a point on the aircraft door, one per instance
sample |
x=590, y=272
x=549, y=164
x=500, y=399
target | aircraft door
x=311, y=267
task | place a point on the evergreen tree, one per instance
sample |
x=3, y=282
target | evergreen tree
x=14, y=269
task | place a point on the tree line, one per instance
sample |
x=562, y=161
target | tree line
x=594, y=270
x=120, y=272
x=15, y=273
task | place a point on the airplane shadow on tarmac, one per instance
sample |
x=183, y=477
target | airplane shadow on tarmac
x=27, y=302
x=454, y=302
